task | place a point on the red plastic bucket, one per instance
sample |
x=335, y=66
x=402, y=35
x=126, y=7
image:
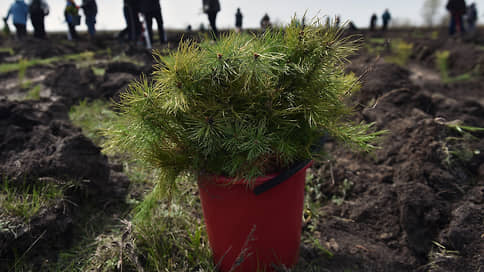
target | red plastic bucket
x=251, y=232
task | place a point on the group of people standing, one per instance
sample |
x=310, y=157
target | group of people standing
x=458, y=11
x=386, y=18
x=73, y=19
x=462, y=17
x=39, y=9
x=151, y=9
x=20, y=11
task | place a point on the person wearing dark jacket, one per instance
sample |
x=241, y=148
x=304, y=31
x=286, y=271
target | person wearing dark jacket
x=133, y=25
x=211, y=8
x=373, y=22
x=151, y=9
x=471, y=17
x=265, y=22
x=38, y=9
x=90, y=11
x=386, y=18
x=457, y=9
x=238, y=20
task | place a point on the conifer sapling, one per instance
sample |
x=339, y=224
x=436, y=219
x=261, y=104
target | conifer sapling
x=242, y=107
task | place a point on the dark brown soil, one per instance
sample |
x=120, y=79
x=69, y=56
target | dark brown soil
x=39, y=145
x=415, y=200
x=415, y=204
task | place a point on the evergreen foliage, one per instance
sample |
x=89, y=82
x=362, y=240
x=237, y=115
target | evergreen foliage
x=243, y=106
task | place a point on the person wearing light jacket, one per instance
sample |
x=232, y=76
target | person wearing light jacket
x=19, y=11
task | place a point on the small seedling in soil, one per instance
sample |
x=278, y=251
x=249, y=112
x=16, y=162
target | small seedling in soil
x=34, y=93
x=98, y=71
x=439, y=254
x=458, y=149
x=344, y=190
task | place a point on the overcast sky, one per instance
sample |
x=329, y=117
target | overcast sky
x=180, y=13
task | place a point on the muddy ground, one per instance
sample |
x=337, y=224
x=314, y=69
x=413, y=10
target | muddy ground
x=415, y=204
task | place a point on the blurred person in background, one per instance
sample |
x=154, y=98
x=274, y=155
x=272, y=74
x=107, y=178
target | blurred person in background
x=238, y=21
x=386, y=18
x=456, y=8
x=19, y=11
x=471, y=17
x=90, y=11
x=71, y=13
x=265, y=22
x=373, y=21
x=211, y=8
x=151, y=9
x=337, y=21
x=132, y=31
x=38, y=9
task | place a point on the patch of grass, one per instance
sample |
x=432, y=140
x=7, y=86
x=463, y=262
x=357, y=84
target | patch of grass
x=157, y=235
x=396, y=51
x=92, y=117
x=375, y=50
x=25, y=201
x=311, y=237
x=380, y=41
x=98, y=71
x=401, y=52
x=7, y=50
x=441, y=61
x=23, y=64
x=33, y=93
x=95, y=227
x=160, y=235
x=313, y=200
x=124, y=58
x=176, y=242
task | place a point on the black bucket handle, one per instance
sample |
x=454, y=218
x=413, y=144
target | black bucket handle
x=285, y=175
